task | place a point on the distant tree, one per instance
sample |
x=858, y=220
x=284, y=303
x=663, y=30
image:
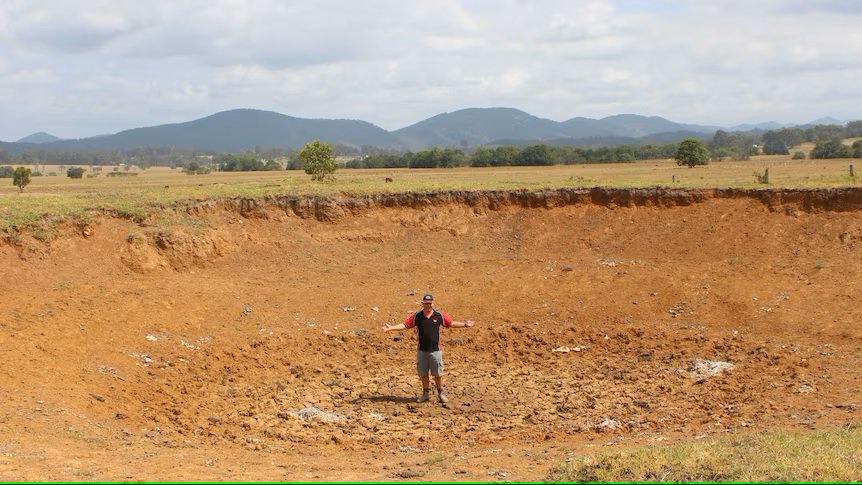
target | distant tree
x=75, y=172
x=831, y=149
x=196, y=168
x=854, y=129
x=721, y=138
x=534, y=155
x=272, y=165
x=799, y=155
x=691, y=152
x=504, y=156
x=482, y=157
x=240, y=162
x=317, y=160
x=775, y=147
x=6, y=172
x=21, y=178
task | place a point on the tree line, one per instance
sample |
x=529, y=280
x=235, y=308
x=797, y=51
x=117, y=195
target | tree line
x=722, y=145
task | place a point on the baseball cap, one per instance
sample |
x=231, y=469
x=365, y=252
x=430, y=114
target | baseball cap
x=427, y=297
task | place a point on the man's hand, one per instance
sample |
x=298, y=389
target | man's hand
x=469, y=323
x=386, y=327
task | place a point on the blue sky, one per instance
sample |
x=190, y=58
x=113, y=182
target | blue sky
x=79, y=68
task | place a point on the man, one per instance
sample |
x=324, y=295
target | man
x=429, y=357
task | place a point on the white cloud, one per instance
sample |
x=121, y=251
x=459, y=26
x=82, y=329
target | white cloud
x=102, y=65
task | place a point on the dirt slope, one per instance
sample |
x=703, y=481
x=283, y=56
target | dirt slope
x=240, y=339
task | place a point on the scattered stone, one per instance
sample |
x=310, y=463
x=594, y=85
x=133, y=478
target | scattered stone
x=189, y=345
x=702, y=368
x=642, y=404
x=97, y=397
x=645, y=355
x=804, y=389
x=407, y=449
x=498, y=473
x=151, y=337
x=214, y=420
x=375, y=309
x=413, y=292
x=313, y=412
x=397, y=338
x=119, y=415
x=567, y=268
x=410, y=473
x=849, y=406
x=246, y=310
x=561, y=349
x=348, y=308
x=608, y=424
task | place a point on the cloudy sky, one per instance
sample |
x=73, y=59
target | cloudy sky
x=77, y=68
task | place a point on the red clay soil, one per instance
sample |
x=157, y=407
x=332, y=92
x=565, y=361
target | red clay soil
x=243, y=341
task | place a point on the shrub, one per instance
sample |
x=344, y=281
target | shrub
x=317, y=160
x=799, y=156
x=21, y=178
x=691, y=152
x=75, y=172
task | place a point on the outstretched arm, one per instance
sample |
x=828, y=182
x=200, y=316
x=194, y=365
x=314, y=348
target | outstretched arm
x=398, y=326
x=465, y=323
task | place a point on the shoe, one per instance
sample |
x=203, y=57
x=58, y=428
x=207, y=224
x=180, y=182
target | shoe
x=424, y=397
x=442, y=397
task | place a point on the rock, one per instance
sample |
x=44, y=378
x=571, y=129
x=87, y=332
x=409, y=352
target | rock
x=313, y=412
x=375, y=309
x=642, y=404
x=348, y=308
x=567, y=268
x=410, y=473
x=246, y=310
x=702, y=368
x=561, y=349
x=397, y=338
x=608, y=424
x=97, y=397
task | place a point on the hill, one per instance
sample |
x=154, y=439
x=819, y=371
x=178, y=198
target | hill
x=244, y=129
x=240, y=129
x=477, y=126
x=40, y=137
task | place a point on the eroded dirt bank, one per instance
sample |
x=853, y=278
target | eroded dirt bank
x=239, y=339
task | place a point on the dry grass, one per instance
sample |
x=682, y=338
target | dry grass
x=832, y=455
x=156, y=187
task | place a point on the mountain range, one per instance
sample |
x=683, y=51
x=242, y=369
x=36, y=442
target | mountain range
x=243, y=129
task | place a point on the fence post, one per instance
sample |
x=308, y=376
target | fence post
x=852, y=172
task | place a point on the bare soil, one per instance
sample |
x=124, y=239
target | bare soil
x=241, y=340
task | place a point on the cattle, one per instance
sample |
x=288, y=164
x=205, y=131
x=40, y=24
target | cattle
x=388, y=179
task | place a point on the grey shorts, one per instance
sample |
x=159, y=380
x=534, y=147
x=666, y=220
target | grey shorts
x=429, y=362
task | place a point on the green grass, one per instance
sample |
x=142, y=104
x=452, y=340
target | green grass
x=830, y=455
x=140, y=196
